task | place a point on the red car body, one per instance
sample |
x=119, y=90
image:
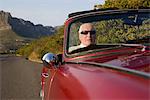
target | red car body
x=120, y=73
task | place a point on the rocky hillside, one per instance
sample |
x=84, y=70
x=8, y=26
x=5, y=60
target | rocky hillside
x=22, y=27
x=15, y=32
x=4, y=17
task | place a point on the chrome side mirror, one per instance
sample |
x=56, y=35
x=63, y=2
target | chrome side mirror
x=49, y=60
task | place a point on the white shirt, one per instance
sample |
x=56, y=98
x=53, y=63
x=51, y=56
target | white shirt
x=76, y=47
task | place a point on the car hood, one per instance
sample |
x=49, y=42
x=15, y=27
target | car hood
x=95, y=82
x=108, y=75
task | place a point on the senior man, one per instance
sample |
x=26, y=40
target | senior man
x=87, y=36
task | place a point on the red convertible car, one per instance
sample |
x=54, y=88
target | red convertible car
x=113, y=66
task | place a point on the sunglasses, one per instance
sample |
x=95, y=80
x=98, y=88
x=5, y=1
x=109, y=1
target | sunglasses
x=86, y=32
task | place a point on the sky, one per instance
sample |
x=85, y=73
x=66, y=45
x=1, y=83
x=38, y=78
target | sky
x=46, y=12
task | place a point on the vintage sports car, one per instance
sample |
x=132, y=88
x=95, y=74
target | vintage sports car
x=116, y=66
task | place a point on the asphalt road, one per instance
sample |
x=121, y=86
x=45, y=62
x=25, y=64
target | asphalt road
x=19, y=78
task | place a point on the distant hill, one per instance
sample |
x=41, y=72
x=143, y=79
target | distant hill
x=15, y=32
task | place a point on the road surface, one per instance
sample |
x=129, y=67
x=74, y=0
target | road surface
x=19, y=78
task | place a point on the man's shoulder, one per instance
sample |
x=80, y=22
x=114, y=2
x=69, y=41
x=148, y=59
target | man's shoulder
x=74, y=48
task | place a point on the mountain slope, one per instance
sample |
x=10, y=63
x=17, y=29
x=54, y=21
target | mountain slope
x=16, y=32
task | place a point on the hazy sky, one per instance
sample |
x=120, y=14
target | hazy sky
x=46, y=12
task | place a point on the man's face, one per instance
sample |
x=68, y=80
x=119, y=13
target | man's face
x=87, y=34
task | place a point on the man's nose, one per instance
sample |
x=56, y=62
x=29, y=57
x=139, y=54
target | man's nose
x=89, y=34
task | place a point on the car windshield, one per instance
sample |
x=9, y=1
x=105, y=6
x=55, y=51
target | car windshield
x=109, y=29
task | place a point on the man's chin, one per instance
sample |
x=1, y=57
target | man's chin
x=88, y=44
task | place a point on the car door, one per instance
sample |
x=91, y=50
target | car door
x=47, y=77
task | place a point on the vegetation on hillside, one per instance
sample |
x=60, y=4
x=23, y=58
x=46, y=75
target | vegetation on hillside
x=115, y=31
x=123, y=4
x=54, y=43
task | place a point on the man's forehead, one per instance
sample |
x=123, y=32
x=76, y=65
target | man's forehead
x=85, y=27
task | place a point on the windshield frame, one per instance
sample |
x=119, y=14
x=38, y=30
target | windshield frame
x=92, y=14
